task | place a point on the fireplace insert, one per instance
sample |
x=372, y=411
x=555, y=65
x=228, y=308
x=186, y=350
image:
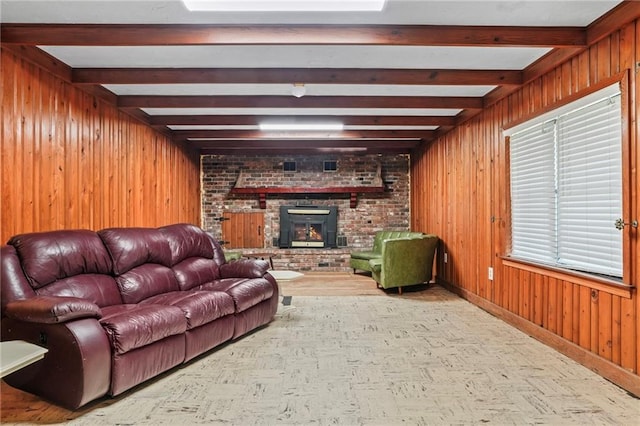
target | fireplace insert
x=308, y=226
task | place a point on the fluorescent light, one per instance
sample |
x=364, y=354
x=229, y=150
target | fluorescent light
x=345, y=149
x=285, y=5
x=301, y=127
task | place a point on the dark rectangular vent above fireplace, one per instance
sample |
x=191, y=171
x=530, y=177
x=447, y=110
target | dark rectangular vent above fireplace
x=308, y=226
x=330, y=166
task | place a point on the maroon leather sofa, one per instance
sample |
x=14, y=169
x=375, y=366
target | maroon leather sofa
x=119, y=306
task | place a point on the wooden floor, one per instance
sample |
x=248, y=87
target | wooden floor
x=347, y=284
x=329, y=284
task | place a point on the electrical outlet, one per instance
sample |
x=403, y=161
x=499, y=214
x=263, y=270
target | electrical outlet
x=490, y=273
x=445, y=258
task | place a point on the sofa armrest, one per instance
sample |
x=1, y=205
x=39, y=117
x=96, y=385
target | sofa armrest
x=376, y=265
x=77, y=368
x=51, y=309
x=244, y=268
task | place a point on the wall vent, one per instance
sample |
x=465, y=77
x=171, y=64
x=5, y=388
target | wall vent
x=330, y=166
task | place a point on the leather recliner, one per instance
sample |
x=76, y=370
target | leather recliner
x=119, y=306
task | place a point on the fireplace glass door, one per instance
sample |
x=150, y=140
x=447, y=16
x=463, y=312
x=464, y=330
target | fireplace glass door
x=307, y=234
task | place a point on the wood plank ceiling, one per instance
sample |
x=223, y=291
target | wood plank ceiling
x=394, y=79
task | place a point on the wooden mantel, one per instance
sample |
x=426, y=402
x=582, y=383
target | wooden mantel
x=352, y=190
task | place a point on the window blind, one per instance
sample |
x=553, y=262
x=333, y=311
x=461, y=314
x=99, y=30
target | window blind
x=533, y=217
x=590, y=187
x=566, y=186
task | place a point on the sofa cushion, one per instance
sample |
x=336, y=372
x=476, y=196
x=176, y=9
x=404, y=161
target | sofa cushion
x=245, y=292
x=366, y=255
x=199, y=307
x=50, y=256
x=131, y=247
x=145, y=281
x=96, y=288
x=186, y=241
x=195, y=271
x=130, y=327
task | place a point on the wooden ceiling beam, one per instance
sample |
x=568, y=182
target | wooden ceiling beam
x=306, y=150
x=311, y=135
x=183, y=34
x=452, y=102
x=293, y=75
x=348, y=120
x=298, y=143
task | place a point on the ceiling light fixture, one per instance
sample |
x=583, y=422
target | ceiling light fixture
x=285, y=5
x=298, y=90
x=301, y=127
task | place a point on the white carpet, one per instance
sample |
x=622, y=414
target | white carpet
x=366, y=360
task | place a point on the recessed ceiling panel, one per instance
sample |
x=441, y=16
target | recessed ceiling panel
x=285, y=90
x=301, y=111
x=393, y=57
x=256, y=127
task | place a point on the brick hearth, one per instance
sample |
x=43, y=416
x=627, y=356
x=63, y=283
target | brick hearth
x=307, y=259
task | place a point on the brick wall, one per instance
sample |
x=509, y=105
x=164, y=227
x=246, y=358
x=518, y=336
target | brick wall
x=375, y=211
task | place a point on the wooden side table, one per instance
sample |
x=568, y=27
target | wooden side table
x=17, y=354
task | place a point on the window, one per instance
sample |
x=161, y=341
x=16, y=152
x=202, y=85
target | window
x=566, y=185
x=289, y=166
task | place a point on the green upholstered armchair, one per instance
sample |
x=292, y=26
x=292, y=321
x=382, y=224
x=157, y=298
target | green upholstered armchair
x=404, y=262
x=360, y=259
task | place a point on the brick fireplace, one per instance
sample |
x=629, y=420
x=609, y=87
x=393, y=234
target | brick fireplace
x=308, y=226
x=355, y=222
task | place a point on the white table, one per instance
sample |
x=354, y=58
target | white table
x=17, y=354
x=280, y=275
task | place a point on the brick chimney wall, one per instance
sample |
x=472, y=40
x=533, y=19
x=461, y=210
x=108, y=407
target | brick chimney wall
x=374, y=211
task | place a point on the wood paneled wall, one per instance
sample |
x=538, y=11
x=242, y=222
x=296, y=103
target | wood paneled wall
x=72, y=161
x=460, y=192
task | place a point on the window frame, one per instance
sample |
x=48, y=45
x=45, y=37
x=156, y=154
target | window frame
x=623, y=81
